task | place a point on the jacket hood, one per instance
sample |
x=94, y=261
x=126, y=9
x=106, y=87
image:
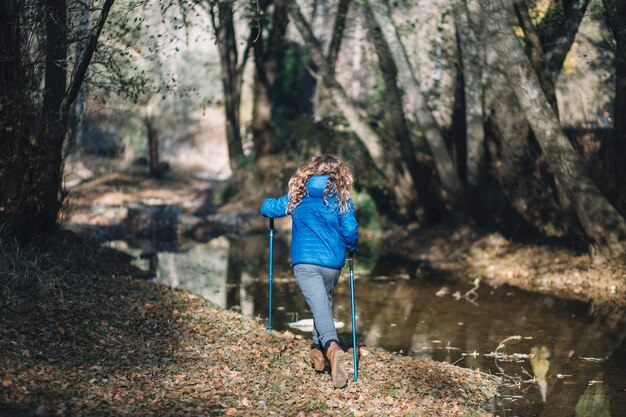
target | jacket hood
x=316, y=185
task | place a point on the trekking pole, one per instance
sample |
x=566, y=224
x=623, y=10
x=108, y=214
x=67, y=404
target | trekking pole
x=354, y=352
x=269, y=316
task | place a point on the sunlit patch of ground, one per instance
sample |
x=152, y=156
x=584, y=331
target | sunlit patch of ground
x=107, y=344
x=124, y=188
x=533, y=267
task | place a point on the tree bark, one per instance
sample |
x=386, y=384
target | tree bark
x=433, y=207
x=81, y=67
x=362, y=129
x=324, y=98
x=602, y=224
x=31, y=159
x=616, y=16
x=232, y=75
x=443, y=162
x=535, y=52
x=153, y=147
x=516, y=162
x=10, y=63
x=400, y=185
x=268, y=58
x=471, y=68
x=48, y=181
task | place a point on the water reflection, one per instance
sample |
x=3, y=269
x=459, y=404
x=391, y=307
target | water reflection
x=540, y=363
x=565, y=348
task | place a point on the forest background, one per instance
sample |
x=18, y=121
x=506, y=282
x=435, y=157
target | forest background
x=509, y=115
x=488, y=139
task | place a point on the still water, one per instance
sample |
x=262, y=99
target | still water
x=559, y=358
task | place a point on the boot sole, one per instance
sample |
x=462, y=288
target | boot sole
x=338, y=372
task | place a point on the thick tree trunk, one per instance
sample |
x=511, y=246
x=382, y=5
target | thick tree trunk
x=471, y=69
x=602, y=224
x=231, y=72
x=10, y=64
x=268, y=58
x=443, y=162
x=401, y=186
x=31, y=156
x=433, y=207
x=535, y=52
x=616, y=16
x=47, y=184
x=324, y=98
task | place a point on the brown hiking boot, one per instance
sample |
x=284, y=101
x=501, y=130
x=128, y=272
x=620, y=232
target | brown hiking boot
x=317, y=359
x=337, y=357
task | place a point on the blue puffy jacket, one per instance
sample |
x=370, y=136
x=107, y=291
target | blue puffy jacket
x=320, y=235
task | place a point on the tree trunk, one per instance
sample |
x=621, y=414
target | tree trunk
x=557, y=39
x=362, y=129
x=10, y=63
x=324, y=98
x=535, y=52
x=471, y=68
x=400, y=185
x=231, y=72
x=78, y=108
x=616, y=16
x=31, y=156
x=80, y=70
x=433, y=206
x=602, y=224
x=47, y=179
x=443, y=162
x=268, y=58
x=531, y=202
x=153, y=147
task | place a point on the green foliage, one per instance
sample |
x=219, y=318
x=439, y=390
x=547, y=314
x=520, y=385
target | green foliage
x=377, y=99
x=293, y=89
x=365, y=209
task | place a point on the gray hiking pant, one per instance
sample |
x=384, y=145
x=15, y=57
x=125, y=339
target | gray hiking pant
x=317, y=284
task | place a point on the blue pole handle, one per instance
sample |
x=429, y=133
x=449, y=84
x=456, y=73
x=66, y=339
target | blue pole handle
x=353, y=308
x=271, y=273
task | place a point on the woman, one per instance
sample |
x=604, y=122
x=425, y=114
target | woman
x=323, y=228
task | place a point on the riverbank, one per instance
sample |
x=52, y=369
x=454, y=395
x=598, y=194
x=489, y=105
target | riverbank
x=81, y=336
x=100, y=208
x=536, y=267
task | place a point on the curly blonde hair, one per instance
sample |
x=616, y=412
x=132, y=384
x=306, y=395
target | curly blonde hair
x=339, y=182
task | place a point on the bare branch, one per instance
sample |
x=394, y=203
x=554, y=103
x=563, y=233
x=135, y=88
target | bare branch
x=81, y=68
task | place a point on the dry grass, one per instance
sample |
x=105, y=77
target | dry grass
x=44, y=269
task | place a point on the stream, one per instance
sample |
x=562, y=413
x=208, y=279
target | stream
x=557, y=357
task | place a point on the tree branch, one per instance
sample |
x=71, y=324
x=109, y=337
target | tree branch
x=81, y=68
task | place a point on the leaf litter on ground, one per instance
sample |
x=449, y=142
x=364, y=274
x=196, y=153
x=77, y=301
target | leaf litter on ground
x=115, y=345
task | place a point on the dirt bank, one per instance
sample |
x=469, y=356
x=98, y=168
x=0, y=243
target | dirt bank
x=99, y=342
x=534, y=267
